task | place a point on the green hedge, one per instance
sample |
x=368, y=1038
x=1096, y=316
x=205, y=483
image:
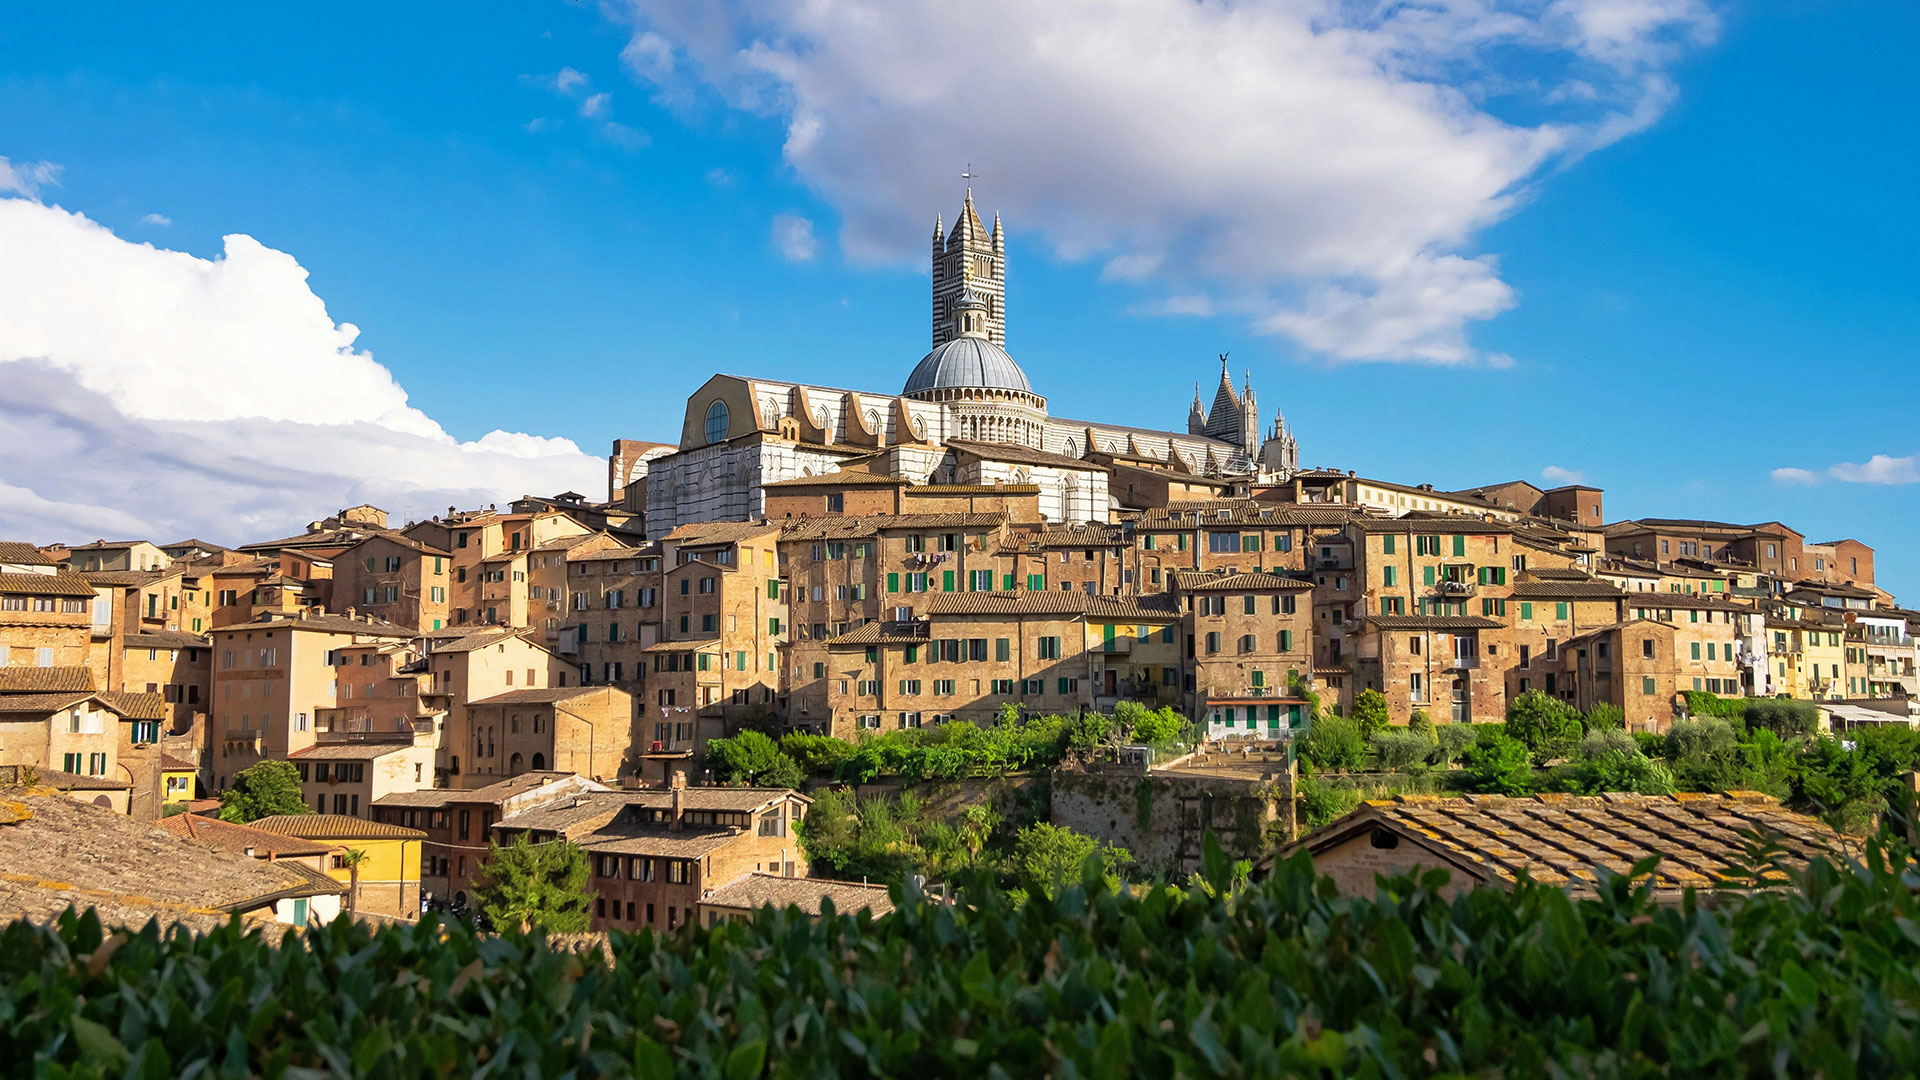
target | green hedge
x=1281, y=979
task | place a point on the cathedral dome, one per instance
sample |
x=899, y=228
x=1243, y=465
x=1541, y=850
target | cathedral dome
x=967, y=362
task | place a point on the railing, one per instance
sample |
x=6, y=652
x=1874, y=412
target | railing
x=1464, y=663
x=1455, y=588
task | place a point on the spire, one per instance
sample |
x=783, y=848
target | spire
x=939, y=231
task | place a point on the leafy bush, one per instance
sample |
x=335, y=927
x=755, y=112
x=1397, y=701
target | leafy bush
x=1277, y=978
x=1333, y=742
x=1497, y=764
x=1604, y=715
x=1370, y=713
x=1701, y=703
x=1047, y=858
x=1602, y=741
x=817, y=755
x=1783, y=716
x=1161, y=725
x=1420, y=720
x=753, y=760
x=1401, y=749
x=263, y=790
x=1451, y=741
x=1544, y=723
x=1317, y=802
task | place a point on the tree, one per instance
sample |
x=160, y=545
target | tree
x=1606, y=717
x=1498, y=764
x=1333, y=742
x=1784, y=717
x=523, y=885
x=1421, y=721
x=1541, y=721
x=1370, y=713
x=1158, y=726
x=1050, y=857
x=352, y=860
x=263, y=790
x=752, y=760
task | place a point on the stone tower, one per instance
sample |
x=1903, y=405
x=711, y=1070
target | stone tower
x=969, y=258
x=1280, y=455
x=1234, y=418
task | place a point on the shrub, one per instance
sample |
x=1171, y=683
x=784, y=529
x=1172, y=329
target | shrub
x=753, y=760
x=1279, y=978
x=1401, y=749
x=1700, y=703
x=1451, y=741
x=1603, y=741
x=1333, y=742
x=1318, y=802
x=1419, y=720
x=1159, y=726
x=817, y=755
x=1542, y=722
x=1604, y=715
x=1047, y=858
x=1783, y=716
x=1370, y=713
x=263, y=790
x=1497, y=764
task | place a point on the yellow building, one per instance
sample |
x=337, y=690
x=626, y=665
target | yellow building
x=1808, y=659
x=176, y=780
x=389, y=875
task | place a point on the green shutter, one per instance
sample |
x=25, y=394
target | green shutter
x=773, y=588
x=1696, y=650
x=1062, y=683
x=913, y=654
x=1560, y=610
x=1286, y=641
x=1459, y=545
x=1260, y=677
x=740, y=660
x=1006, y=582
x=1183, y=541
x=1001, y=649
x=1166, y=634
x=893, y=583
x=1386, y=544
x=1391, y=576
x=1526, y=610
x=1036, y=582
x=1146, y=542
x=1426, y=575
x=946, y=581
x=773, y=626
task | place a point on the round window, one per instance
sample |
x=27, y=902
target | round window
x=717, y=422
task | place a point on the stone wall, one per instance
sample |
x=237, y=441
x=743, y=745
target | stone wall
x=1162, y=817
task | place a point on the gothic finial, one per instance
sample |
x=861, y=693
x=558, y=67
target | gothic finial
x=1223, y=363
x=938, y=230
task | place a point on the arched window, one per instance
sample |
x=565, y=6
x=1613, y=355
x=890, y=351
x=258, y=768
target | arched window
x=539, y=762
x=716, y=421
x=513, y=763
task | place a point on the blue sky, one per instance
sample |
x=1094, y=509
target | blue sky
x=1671, y=257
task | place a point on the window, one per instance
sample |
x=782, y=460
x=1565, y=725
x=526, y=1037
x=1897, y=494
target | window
x=943, y=687
x=1003, y=687
x=1049, y=648
x=1223, y=543
x=1213, y=641
x=910, y=687
x=717, y=422
x=1033, y=687
x=1646, y=648
x=1646, y=685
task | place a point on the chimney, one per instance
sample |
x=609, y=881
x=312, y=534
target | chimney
x=352, y=611
x=678, y=786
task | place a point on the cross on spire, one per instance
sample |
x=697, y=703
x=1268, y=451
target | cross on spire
x=969, y=175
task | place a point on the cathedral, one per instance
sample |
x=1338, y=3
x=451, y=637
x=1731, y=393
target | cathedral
x=966, y=414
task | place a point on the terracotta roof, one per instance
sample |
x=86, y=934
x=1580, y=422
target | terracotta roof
x=684, y=645
x=334, y=827
x=167, y=639
x=227, y=836
x=116, y=578
x=1059, y=602
x=23, y=554
x=881, y=632
x=61, y=781
x=607, y=554
x=1087, y=534
x=1216, y=581
x=757, y=890
x=169, y=763
x=352, y=751
x=869, y=525
x=1565, y=839
x=547, y=696
x=254, y=568
x=1419, y=523
x=1434, y=622
x=60, y=584
x=658, y=841
x=334, y=624
x=1682, y=601
x=425, y=797
x=479, y=639
x=40, y=703
x=400, y=540
x=1023, y=455
x=1191, y=515
x=843, y=478
x=1567, y=587
x=700, y=534
x=501, y=790
x=67, y=853
x=598, y=808
x=27, y=679
x=1163, y=605
x=134, y=706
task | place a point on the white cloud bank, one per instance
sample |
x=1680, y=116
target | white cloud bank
x=1318, y=167
x=1878, y=469
x=148, y=392
x=793, y=235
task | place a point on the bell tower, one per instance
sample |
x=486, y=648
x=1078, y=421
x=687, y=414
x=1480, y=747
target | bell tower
x=969, y=258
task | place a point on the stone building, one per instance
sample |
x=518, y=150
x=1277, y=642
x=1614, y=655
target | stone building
x=586, y=730
x=1250, y=639
x=397, y=579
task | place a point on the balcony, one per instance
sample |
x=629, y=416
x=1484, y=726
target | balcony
x=1464, y=663
x=1455, y=588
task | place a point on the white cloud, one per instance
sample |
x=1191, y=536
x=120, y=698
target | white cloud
x=1325, y=163
x=595, y=104
x=1556, y=474
x=27, y=178
x=793, y=235
x=568, y=80
x=156, y=219
x=153, y=392
x=1878, y=469
x=720, y=177
x=535, y=125
x=619, y=134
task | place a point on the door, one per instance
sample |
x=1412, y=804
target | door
x=1462, y=706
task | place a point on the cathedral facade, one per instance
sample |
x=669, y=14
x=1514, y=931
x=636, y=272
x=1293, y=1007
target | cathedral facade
x=966, y=414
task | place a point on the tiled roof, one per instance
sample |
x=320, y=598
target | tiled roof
x=480, y=639
x=335, y=624
x=882, y=633
x=252, y=568
x=658, y=841
x=1023, y=455
x=869, y=525
x=27, y=679
x=1434, y=622
x=425, y=797
x=40, y=703
x=116, y=578
x=169, y=763
x=706, y=644
x=1568, y=587
x=1163, y=605
x=227, y=836
x=501, y=790
x=23, y=554
x=700, y=534
x=60, y=584
x=1191, y=515
x=1566, y=839
x=167, y=639
x=1088, y=534
x=541, y=696
x=335, y=827
x=757, y=890
x=404, y=541
x=1682, y=601
x=598, y=808
x=353, y=751
x=1415, y=523
x=843, y=478
x=1216, y=581
x=62, y=781
x=1008, y=603
x=67, y=853
x=134, y=706
x=609, y=554
x=1557, y=573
